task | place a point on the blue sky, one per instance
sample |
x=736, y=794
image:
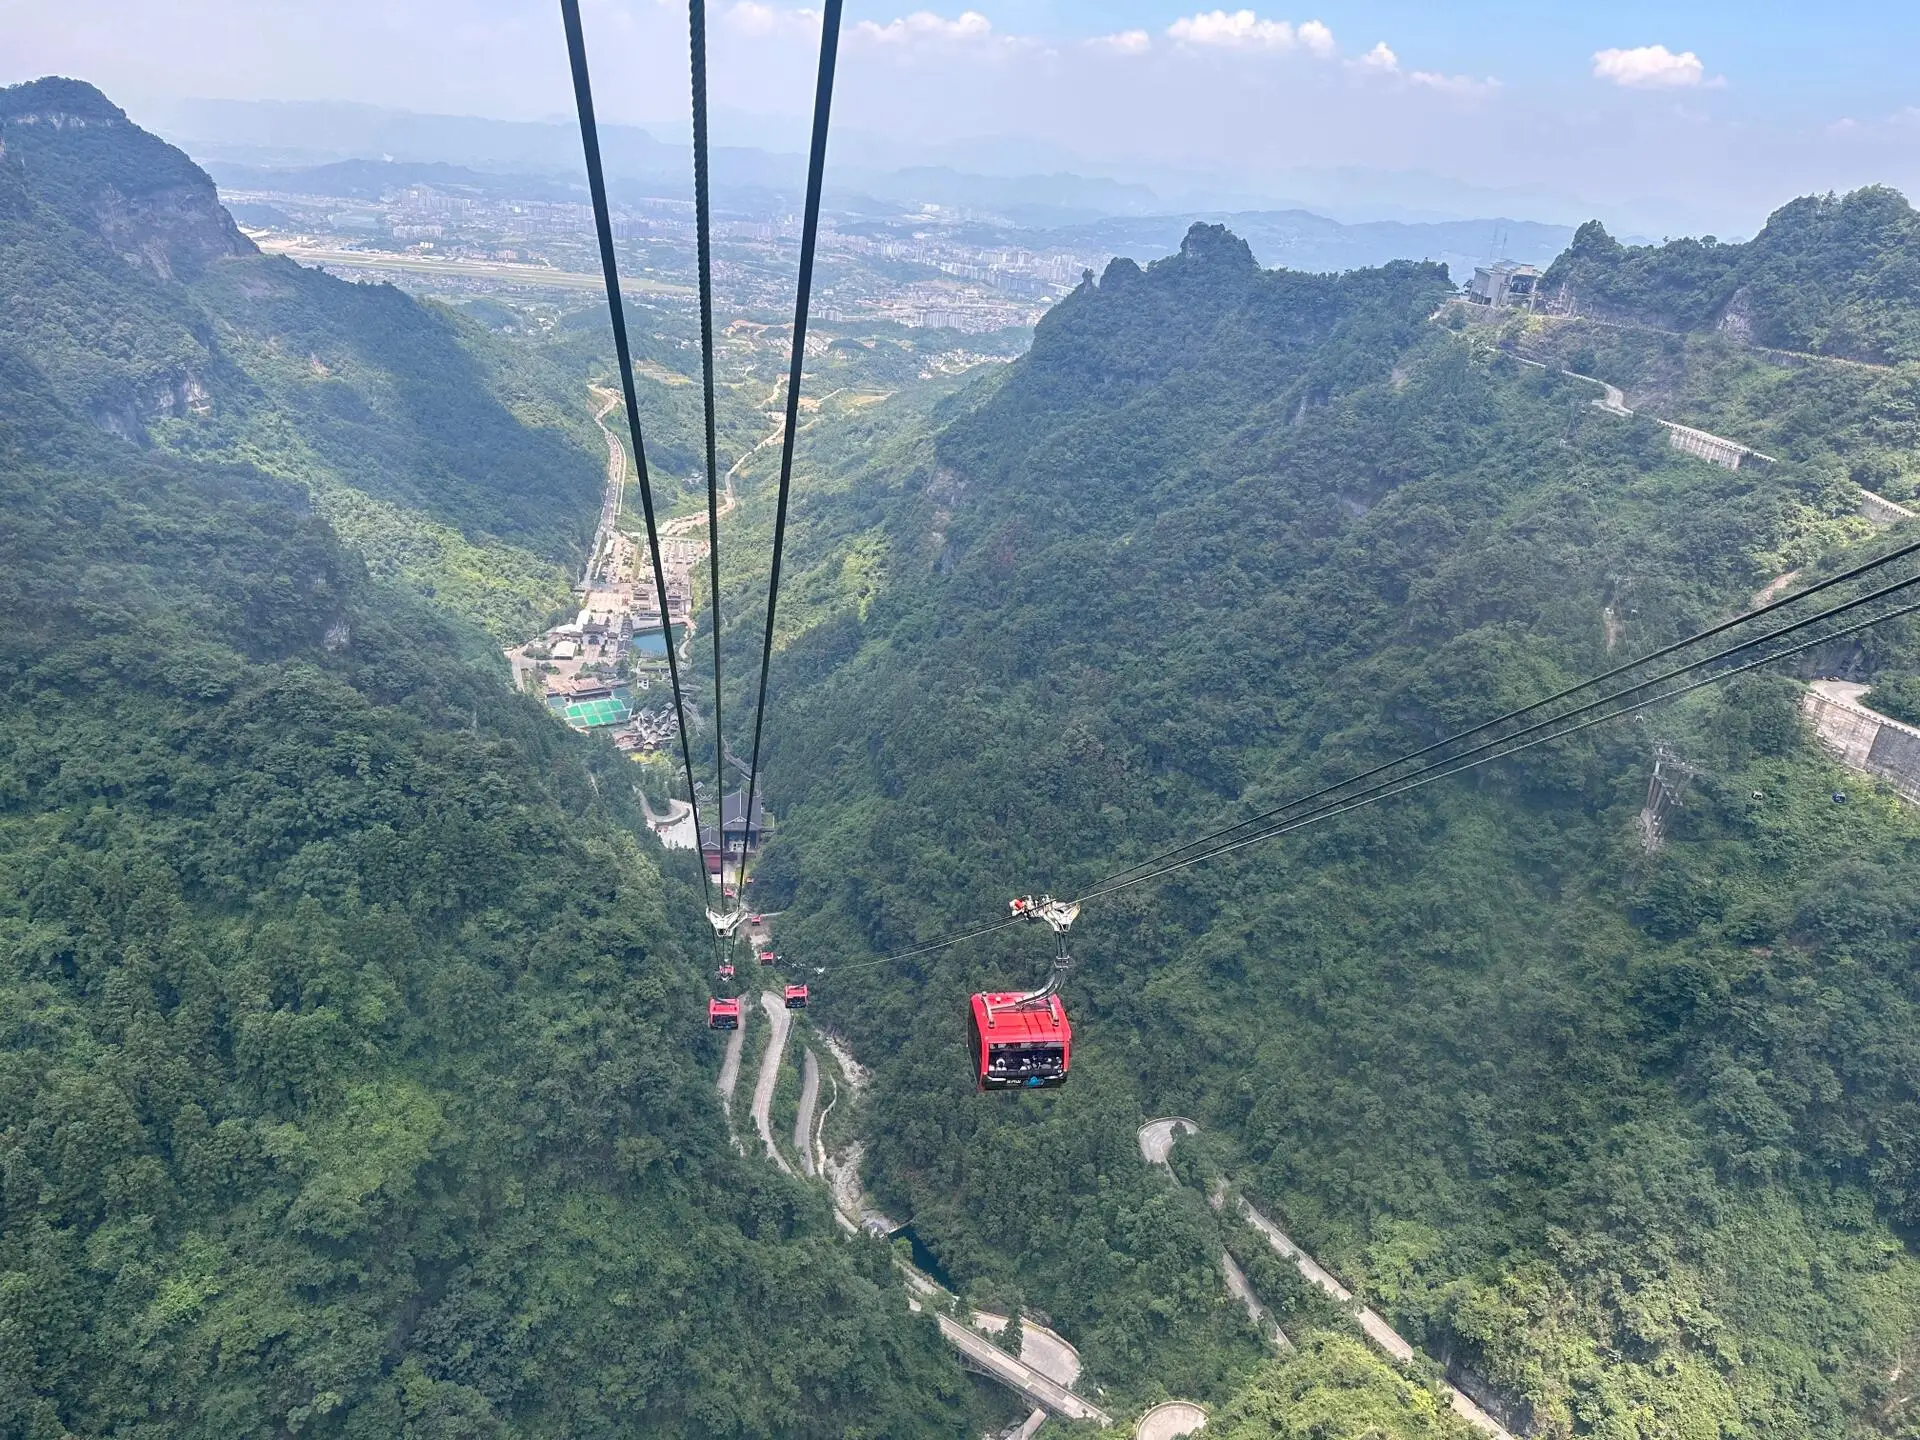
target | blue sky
x=1837, y=52
x=1677, y=117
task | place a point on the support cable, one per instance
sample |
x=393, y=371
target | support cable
x=1531, y=708
x=1446, y=768
x=1480, y=755
x=809, y=237
x=603, y=224
x=702, y=209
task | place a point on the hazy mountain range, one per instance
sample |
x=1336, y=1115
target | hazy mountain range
x=354, y=151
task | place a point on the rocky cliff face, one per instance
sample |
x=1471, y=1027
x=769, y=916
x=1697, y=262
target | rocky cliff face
x=155, y=207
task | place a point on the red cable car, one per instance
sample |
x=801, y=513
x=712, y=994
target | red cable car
x=1020, y=1042
x=723, y=1014
x=726, y=969
x=766, y=957
x=796, y=997
x=1024, y=1041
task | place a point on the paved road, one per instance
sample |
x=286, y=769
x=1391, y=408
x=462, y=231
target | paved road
x=1043, y=1349
x=1377, y=1330
x=730, y=1066
x=1157, y=1137
x=803, y=1122
x=1170, y=1421
x=989, y=1357
x=1238, y=1287
x=782, y=1019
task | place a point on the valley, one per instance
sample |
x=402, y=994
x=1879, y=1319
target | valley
x=356, y=1079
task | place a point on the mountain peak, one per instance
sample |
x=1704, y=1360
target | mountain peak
x=1216, y=244
x=66, y=145
x=58, y=101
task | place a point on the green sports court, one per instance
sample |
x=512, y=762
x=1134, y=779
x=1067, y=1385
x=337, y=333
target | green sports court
x=590, y=714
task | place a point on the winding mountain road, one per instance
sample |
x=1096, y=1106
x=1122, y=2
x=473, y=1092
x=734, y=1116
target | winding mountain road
x=1040, y=1348
x=1171, y=1420
x=782, y=1021
x=1156, y=1143
x=803, y=1121
x=983, y=1354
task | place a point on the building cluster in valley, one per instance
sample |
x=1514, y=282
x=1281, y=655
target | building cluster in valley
x=604, y=669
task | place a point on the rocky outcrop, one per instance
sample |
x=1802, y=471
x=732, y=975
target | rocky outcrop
x=157, y=209
x=174, y=233
x=163, y=397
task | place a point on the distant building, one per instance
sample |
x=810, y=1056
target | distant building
x=734, y=828
x=1505, y=284
x=565, y=650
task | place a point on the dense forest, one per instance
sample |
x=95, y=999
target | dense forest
x=348, y=1086
x=1627, y=1135
x=1834, y=275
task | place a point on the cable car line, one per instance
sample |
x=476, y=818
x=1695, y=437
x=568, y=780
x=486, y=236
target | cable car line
x=616, y=309
x=1436, y=773
x=1530, y=708
x=702, y=209
x=809, y=238
x=1484, y=754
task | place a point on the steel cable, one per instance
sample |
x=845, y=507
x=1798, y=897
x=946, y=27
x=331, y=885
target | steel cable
x=603, y=225
x=702, y=203
x=1448, y=768
x=1528, y=709
x=1483, y=754
x=809, y=237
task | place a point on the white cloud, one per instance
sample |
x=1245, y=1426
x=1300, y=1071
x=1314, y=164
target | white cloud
x=925, y=27
x=1379, y=59
x=758, y=21
x=1316, y=37
x=1244, y=30
x=1649, y=67
x=1126, y=42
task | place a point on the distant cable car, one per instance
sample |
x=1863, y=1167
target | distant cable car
x=755, y=920
x=723, y=1014
x=726, y=969
x=1024, y=1041
x=766, y=957
x=1020, y=1042
x=796, y=997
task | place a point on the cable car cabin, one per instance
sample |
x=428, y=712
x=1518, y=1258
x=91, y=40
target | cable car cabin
x=726, y=969
x=796, y=997
x=766, y=957
x=723, y=1014
x=1020, y=1044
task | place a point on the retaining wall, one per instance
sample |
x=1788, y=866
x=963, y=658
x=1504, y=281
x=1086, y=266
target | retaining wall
x=1865, y=740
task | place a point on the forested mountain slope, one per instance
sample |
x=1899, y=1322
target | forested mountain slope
x=1835, y=275
x=446, y=458
x=1628, y=1135
x=352, y=1081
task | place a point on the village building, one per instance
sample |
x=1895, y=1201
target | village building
x=1504, y=285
